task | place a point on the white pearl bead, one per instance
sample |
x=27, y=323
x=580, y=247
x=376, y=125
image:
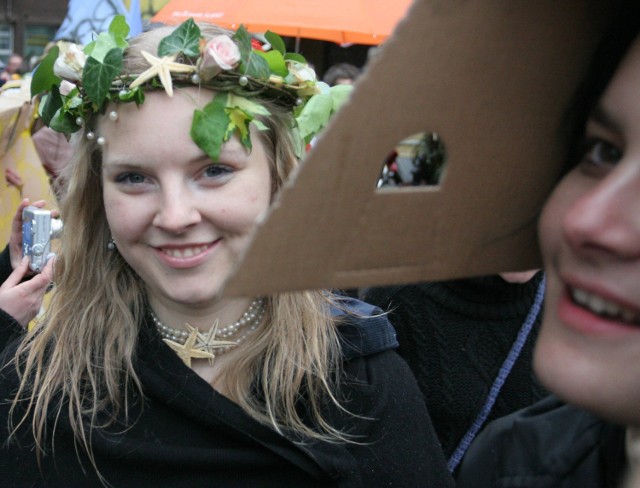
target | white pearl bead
x=79, y=121
x=243, y=81
x=113, y=115
x=101, y=141
x=195, y=79
x=91, y=136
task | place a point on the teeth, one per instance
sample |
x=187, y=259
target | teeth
x=600, y=306
x=186, y=252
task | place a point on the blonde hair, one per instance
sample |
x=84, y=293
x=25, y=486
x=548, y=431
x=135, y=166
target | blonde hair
x=82, y=355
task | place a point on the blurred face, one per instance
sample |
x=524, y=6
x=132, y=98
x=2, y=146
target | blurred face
x=14, y=64
x=589, y=347
x=178, y=218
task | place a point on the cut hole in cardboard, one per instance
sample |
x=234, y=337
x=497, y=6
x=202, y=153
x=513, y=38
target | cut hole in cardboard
x=418, y=160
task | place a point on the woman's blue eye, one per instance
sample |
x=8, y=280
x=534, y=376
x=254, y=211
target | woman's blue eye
x=130, y=178
x=216, y=170
x=600, y=152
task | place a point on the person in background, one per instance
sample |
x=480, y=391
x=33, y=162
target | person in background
x=13, y=69
x=588, y=349
x=469, y=343
x=341, y=74
x=143, y=373
x=55, y=152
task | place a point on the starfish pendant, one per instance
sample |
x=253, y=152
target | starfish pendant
x=162, y=68
x=187, y=351
x=207, y=342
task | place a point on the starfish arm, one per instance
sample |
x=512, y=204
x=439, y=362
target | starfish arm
x=162, y=68
x=165, y=78
x=180, y=68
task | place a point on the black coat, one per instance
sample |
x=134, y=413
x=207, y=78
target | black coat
x=186, y=434
x=547, y=445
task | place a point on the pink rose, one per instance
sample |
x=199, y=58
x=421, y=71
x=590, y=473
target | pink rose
x=220, y=53
x=66, y=87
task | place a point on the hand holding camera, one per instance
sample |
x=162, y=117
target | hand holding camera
x=38, y=229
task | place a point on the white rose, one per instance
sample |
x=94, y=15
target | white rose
x=70, y=62
x=302, y=72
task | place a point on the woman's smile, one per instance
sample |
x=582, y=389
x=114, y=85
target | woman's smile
x=185, y=255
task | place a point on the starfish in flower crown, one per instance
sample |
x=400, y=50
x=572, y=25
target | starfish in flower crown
x=188, y=351
x=162, y=68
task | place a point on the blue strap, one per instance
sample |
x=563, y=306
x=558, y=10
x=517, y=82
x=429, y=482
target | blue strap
x=506, y=368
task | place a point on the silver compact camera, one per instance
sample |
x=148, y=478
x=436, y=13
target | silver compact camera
x=38, y=228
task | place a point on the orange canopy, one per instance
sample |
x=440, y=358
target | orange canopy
x=341, y=21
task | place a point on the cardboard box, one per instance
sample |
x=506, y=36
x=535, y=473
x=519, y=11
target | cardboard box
x=493, y=79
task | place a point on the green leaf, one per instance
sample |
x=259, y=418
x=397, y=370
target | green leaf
x=88, y=49
x=103, y=44
x=73, y=101
x=256, y=67
x=275, y=61
x=314, y=115
x=209, y=126
x=259, y=125
x=44, y=77
x=340, y=94
x=299, y=144
x=250, y=107
x=239, y=122
x=135, y=95
x=243, y=41
x=50, y=104
x=299, y=58
x=185, y=39
x=98, y=76
x=276, y=42
x=63, y=122
x=119, y=28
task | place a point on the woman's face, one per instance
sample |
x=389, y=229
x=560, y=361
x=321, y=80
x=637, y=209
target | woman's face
x=178, y=218
x=589, y=347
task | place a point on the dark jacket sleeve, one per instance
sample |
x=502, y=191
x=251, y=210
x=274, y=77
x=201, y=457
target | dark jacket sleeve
x=5, y=264
x=547, y=445
x=404, y=450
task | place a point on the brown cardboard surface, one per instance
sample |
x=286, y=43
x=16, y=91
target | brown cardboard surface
x=493, y=79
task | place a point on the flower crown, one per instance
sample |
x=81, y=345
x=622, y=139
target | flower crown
x=77, y=82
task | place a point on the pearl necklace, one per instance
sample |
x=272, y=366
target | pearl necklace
x=192, y=343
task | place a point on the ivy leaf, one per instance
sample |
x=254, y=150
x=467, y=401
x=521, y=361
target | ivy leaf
x=276, y=41
x=209, y=126
x=185, y=39
x=63, y=122
x=44, y=77
x=314, y=115
x=275, y=61
x=259, y=125
x=97, y=76
x=103, y=44
x=50, y=104
x=119, y=30
x=135, y=95
x=298, y=58
x=256, y=67
x=243, y=41
x=340, y=94
x=239, y=121
x=250, y=107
